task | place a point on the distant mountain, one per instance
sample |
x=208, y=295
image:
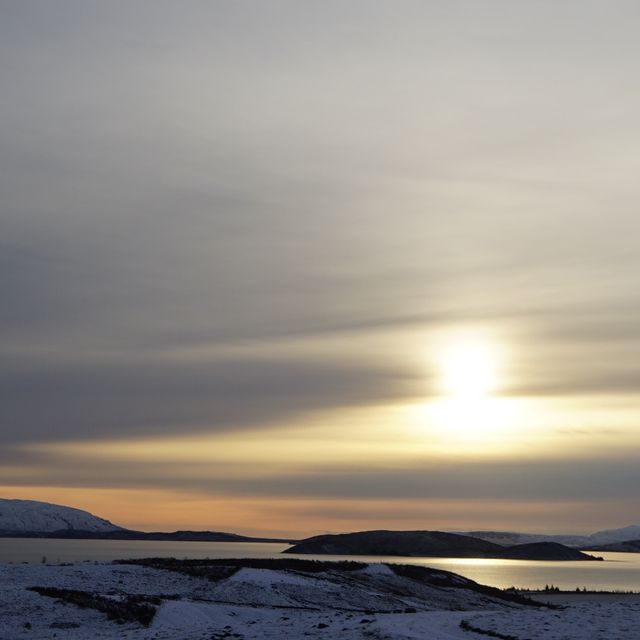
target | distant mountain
x=33, y=519
x=30, y=516
x=628, y=546
x=593, y=541
x=609, y=536
x=510, y=538
x=177, y=536
x=430, y=544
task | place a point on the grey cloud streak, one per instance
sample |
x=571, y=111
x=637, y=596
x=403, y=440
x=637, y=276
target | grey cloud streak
x=553, y=481
x=105, y=400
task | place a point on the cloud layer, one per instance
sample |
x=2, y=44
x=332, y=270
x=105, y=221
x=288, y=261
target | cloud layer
x=222, y=218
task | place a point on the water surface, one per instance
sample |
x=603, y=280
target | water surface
x=619, y=571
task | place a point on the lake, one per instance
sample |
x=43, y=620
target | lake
x=619, y=571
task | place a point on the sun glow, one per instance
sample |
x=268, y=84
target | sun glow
x=469, y=409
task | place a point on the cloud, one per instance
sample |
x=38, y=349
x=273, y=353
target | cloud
x=552, y=481
x=569, y=479
x=524, y=481
x=182, y=185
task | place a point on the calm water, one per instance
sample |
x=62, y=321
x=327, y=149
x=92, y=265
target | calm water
x=619, y=571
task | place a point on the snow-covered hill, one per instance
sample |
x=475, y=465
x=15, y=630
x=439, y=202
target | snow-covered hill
x=293, y=599
x=31, y=516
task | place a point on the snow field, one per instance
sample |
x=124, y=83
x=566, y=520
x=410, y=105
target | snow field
x=269, y=604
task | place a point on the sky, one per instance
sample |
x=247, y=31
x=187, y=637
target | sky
x=297, y=267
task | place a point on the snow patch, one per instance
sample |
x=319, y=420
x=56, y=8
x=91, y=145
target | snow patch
x=378, y=569
x=268, y=578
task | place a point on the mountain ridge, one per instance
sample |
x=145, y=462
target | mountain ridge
x=599, y=538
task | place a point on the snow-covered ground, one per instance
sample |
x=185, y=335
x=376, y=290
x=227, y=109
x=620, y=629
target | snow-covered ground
x=261, y=603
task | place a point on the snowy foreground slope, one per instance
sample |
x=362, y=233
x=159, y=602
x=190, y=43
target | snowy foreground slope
x=21, y=516
x=249, y=602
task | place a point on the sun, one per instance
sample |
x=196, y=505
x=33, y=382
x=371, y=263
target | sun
x=468, y=409
x=469, y=370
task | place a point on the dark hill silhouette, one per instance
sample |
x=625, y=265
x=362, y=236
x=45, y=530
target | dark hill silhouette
x=396, y=543
x=543, y=551
x=430, y=544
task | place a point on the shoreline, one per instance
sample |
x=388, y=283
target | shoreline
x=573, y=597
